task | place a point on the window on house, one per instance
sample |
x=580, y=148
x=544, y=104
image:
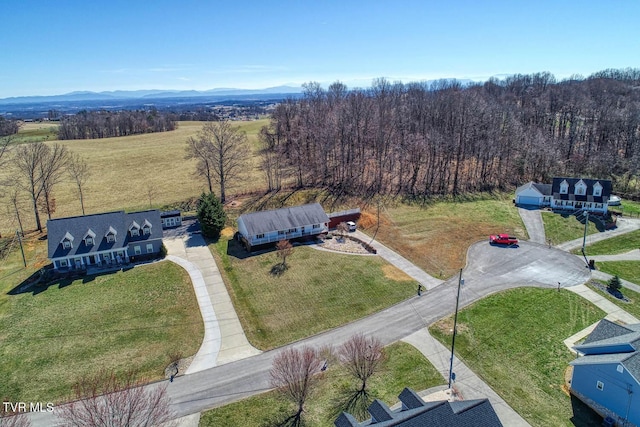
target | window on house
x=580, y=191
x=146, y=231
x=66, y=244
x=316, y=225
x=280, y=233
x=620, y=369
x=600, y=385
x=597, y=191
x=149, y=248
x=137, y=250
x=564, y=188
x=292, y=230
x=111, y=238
x=63, y=263
x=88, y=241
x=260, y=236
x=135, y=232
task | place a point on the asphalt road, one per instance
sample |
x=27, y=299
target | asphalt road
x=491, y=268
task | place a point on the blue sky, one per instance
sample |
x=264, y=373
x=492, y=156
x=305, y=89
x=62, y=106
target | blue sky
x=54, y=47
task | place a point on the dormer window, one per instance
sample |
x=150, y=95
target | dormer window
x=134, y=229
x=111, y=235
x=146, y=228
x=89, y=237
x=580, y=188
x=67, y=241
x=597, y=189
x=564, y=187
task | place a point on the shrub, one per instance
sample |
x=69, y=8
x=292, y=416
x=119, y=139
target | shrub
x=614, y=284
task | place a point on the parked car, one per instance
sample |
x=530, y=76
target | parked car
x=614, y=201
x=503, y=239
x=352, y=225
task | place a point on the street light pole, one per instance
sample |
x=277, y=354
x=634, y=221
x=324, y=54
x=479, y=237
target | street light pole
x=584, y=238
x=455, y=324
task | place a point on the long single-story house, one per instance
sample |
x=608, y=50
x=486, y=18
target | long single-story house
x=259, y=228
x=606, y=376
x=567, y=193
x=416, y=412
x=103, y=239
x=171, y=218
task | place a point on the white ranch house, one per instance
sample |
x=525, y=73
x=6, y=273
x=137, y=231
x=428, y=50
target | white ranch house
x=259, y=228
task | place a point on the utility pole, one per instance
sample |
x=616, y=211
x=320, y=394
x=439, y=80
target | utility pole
x=584, y=238
x=24, y=260
x=455, y=324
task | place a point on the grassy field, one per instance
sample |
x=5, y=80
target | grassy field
x=632, y=307
x=127, y=320
x=628, y=270
x=125, y=170
x=628, y=208
x=36, y=132
x=404, y=367
x=436, y=237
x=616, y=245
x=319, y=291
x=560, y=229
x=513, y=341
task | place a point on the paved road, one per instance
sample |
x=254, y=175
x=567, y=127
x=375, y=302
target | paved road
x=532, y=219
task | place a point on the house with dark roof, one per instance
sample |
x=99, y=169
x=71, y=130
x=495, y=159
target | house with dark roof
x=103, y=239
x=567, y=193
x=259, y=228
x=606, y=376
x=415, y=412
x=171, y=218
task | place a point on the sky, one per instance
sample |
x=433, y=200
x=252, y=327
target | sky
x=51, y=47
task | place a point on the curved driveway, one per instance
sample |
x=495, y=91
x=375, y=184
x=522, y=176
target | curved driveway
x=491, y=269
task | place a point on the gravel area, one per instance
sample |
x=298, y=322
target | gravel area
x=344, y=245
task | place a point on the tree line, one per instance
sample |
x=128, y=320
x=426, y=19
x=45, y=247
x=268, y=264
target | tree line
x=8, y=127
x=107, y=124
x=423, y=139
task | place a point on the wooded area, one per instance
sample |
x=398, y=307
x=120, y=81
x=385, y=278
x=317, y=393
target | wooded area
x=419, y=139
x=106, y=124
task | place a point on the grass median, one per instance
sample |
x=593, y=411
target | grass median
x=404, y=366
x=627, y=270
x=121, y=321
x=320, y=290
x=615, y=245
x=514, y=341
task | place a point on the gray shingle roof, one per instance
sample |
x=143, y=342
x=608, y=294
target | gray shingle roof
x=283, y=219
x=606, y=189
x=469, y=413
x=99, y=224
x=544, y=189
x=606, y=329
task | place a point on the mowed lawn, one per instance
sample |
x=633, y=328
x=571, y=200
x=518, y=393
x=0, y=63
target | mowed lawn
x=404, y=366
x=319, y=291
x=560, y=229
x=615, y=245
x=514, y=341
x=136, y=172
x=632, y=306
x=436, y=237
x=126, y=320
x=628, y=270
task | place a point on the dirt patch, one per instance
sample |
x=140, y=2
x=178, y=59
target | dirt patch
x=445, y=326
x=227, y=232
x=394, y=273
x=370, y=219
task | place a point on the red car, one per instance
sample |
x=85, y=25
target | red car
x=503, y=239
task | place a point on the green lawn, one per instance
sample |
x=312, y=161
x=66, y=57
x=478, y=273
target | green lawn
x=631, y=307
x=514, y=341
x=560, y=229
x=615, y=245
x=628, y=208
x=126, y=320
x=36, y=132
x=404, y=367
x=627, y=270
x=319, y=291
x=436, y=236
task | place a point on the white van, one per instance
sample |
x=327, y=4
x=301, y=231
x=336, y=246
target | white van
x=351, y=225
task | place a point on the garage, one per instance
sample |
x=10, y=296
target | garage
x=528, y=200
x=170, y=219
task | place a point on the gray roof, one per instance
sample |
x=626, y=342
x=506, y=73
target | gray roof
x=544, y=189
x=612, y=343
x=99, y=224
x=468, y=413
x=283, y=219
x=606, y=189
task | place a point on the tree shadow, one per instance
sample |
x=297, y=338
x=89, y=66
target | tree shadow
x=294, y=420
x=43, y=279
x=353, y=401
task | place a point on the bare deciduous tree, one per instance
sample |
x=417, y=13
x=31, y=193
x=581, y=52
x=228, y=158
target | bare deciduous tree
x=79, y=173
x=106, y=400
x=342, y=229
x=284, y=250
x=362, y=357
x=293, y=373
x=52, y=168
x=27, y=161
x=221, y=151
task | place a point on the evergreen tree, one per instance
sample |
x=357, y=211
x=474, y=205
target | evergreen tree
x=614, y=284
x=211, y=215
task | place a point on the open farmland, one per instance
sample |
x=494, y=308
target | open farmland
x=132, y=172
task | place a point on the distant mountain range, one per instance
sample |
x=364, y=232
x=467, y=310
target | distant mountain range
x=148, y=94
